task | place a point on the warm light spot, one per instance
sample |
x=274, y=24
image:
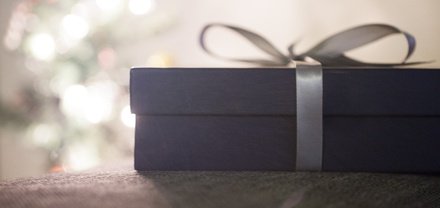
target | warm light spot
x=127, y=117
x=160, y=60
x=42, y=46
x=141, y=7
x=57, y=169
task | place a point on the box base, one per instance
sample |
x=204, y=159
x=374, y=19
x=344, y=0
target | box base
x=236, y=143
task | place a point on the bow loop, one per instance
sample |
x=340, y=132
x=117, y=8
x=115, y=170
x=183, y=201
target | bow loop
x=278, y=58
x=331, y=50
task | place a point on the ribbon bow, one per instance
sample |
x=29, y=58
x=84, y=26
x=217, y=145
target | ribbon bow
x=329, y=52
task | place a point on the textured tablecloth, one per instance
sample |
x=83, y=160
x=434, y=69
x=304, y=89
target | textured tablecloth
x=124, y=187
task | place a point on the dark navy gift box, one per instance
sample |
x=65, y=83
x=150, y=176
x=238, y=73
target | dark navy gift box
x=375, y=119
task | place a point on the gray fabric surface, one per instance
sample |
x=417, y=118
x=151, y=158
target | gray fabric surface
x=124, y=187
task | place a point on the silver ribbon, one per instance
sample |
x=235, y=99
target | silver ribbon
x=309, y=84
x=309, y=116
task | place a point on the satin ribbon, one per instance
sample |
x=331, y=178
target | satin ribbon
x=309, y=85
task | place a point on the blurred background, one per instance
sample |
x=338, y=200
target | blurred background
x=64, y=64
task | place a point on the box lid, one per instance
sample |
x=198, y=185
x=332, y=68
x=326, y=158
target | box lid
x=272, y=91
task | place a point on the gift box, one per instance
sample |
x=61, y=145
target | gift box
x=374, y=119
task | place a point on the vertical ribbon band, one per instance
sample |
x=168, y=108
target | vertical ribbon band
x=309, y=116
x=309, y=81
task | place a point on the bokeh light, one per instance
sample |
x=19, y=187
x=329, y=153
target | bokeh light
x=81, y=157
x=141, y=7
x=76, y=56
x=45, y=135
x=93, y=104
x=108, y=5
x=107, y=58
x=127, y=118
x=42, y=46
x=75, y=27
x=72, y=100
